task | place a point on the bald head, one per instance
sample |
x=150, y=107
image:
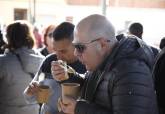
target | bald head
x=96, y=26
x=94, y=39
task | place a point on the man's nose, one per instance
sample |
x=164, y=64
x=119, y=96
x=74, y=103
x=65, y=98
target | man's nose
x=76, y=53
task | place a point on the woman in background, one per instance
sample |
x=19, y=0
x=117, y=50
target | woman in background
x=47, y=37
x=18, y=64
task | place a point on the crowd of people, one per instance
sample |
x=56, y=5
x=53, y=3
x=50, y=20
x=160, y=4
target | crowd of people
x=118, y=74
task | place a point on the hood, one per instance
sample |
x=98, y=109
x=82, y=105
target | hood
x=30, y=59
x=133, y=47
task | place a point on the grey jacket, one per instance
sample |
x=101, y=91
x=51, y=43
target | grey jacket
x=122, y=84
x=14, y=79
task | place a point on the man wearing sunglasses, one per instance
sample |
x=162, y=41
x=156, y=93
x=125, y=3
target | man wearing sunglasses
x=118, y=80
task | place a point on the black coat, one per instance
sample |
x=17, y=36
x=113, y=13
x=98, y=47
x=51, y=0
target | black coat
x=159, y=75
x=122, y=84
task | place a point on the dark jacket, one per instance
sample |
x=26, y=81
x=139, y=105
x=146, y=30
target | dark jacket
x=159, y=75
x=45, y=68
x=155, y=51
x=44, y=51
x=122, y=84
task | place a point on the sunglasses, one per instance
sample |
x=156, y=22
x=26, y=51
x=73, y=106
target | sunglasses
x=80, y=47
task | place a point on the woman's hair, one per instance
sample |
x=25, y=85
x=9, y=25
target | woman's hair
x=19, y=34
x=46, y=32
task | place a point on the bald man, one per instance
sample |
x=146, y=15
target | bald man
x=118, y=80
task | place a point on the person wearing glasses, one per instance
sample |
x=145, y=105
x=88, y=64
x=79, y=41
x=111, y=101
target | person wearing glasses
x=64, y=50
x=118, y=78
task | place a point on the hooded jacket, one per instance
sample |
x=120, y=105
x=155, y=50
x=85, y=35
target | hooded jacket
x=14, y=78
x=122, y=84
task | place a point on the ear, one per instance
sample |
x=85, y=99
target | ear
x=103, y=43
x=98, y=46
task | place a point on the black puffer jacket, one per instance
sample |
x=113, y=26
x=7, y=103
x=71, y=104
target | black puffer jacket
x=123, y=84
x=159, y=75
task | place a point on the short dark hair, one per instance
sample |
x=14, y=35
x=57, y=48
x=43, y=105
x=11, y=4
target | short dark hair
x=162, y=43
x=136, y=29
x=63, y=31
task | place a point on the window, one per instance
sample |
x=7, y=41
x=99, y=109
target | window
x=69, y=19
x=20, y=14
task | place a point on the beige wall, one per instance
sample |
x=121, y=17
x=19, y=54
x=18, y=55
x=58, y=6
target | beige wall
x=49, y=8
x=7, y=9
x=59, y=9
x=122, y=3
x=55, y=11
x=138, y=3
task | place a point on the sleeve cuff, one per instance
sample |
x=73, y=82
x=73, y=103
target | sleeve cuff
x=81, y=107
